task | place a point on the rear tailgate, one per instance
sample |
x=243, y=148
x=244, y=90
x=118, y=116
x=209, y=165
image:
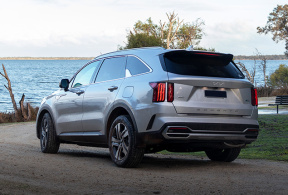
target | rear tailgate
x=207, y=83
x=211, y=96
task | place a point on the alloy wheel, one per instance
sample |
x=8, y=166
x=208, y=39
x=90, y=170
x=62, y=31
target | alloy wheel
x=120, y=141
x=44, y=132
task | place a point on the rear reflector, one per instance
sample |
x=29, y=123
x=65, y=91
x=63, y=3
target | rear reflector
x=158, y=91
x=254, y=97
x=178, y=130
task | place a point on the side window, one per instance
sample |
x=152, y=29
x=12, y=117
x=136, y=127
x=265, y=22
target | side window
x=135, y=66
x=85, y=75
x=112, y=68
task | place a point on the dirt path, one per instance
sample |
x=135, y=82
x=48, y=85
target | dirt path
x=83, y=170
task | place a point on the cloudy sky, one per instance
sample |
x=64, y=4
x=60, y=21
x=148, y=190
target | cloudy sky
x=54, y=28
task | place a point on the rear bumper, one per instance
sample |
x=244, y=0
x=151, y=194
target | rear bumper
x=173, y=133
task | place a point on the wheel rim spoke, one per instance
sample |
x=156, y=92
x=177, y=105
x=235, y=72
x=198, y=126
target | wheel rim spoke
x=125, y=148
x=118, y=130
x=44, y=133
x=124, y=133
x=118, y=153
x=115, y=142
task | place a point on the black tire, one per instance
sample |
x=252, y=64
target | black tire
x=224, y=155
x=122, y=143
x=48, y=139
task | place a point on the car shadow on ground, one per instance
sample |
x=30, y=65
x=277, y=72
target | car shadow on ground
x=181, y=161
x=85, y=153
x=159, y=161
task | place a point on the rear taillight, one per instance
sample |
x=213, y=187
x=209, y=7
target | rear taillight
x=159, y=92
x=170, y=93
x=254, y=97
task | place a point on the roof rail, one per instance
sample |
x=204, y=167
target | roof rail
x=139, y=48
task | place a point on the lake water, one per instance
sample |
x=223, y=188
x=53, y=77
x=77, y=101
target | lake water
x=39, y=78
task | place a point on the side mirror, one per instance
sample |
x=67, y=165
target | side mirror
x=64, y=83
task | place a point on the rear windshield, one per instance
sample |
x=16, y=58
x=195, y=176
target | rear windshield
x=200, y=64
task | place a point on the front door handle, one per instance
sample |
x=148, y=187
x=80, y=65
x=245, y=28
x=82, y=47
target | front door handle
x=80, y=92
x=112, y=88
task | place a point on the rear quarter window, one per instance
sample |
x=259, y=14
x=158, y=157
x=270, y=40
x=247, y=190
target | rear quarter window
x=136, y=66
x=200, y=64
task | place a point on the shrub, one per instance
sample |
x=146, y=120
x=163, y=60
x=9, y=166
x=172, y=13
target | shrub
x=279, y=79
x=264, y=91
x=9, y=117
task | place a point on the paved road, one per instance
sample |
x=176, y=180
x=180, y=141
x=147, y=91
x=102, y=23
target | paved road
x=83, y=170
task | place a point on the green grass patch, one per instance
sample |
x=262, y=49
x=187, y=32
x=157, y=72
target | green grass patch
x=272, y=142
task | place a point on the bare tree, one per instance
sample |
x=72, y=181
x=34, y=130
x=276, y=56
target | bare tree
x=173, y=26
x=19, y=114
x=9, y=88
x=250, y=74
x=262, y=65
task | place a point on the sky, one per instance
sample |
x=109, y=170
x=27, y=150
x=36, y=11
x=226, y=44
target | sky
x=88, y=28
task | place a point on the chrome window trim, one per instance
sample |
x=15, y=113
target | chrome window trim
x=150, y=69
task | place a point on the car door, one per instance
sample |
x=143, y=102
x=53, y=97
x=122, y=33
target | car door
x=69, y=104
x=99, y=97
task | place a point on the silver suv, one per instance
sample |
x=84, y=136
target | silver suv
x=151, y=99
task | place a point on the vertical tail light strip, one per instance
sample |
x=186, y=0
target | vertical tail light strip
x=254, y=97
x=170, y=93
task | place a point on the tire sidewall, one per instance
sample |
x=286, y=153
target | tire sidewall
x=52, y=143
x=131, y=137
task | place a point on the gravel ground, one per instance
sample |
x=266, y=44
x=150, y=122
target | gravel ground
x=84, y=170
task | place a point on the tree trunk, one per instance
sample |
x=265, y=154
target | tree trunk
x=29, y=108
x=23, y=112
x=9, y=88
x=1, y=118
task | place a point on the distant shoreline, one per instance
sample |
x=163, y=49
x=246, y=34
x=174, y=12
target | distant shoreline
x=240, y=57
x=46, y=58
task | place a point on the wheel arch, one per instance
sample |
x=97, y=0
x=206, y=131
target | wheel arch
x=119, y=109
x=39, y=119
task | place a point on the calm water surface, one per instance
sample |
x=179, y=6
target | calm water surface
x=39, y=78
x=35, y=78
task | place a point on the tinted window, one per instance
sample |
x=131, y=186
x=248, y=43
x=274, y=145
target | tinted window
x=112, y=68
x=85, y=75
x=135, y=66
x=201, y=64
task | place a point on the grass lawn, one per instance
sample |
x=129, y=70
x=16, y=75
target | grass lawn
x=272, y=142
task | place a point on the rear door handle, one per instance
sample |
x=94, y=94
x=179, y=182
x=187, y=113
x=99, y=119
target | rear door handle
x=112, y=88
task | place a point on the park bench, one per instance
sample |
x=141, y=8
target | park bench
x=280, y=100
